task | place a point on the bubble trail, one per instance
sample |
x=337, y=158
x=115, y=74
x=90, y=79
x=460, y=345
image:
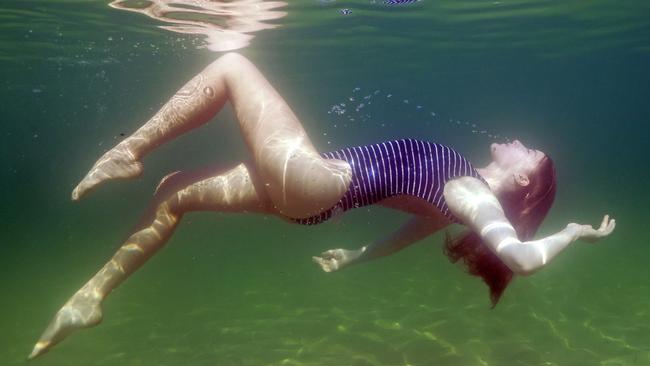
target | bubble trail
x=356, y=114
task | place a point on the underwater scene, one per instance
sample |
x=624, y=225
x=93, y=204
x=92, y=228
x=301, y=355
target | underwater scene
x=239, y=287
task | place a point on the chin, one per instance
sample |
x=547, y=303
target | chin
x=493, y=150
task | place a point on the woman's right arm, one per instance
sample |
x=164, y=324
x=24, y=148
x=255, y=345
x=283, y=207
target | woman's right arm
x=474, y=203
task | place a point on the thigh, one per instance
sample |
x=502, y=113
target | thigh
x=265, y=118
x=298, y=181
x=215, y=189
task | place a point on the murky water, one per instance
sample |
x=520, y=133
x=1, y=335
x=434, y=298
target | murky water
x=570, y=78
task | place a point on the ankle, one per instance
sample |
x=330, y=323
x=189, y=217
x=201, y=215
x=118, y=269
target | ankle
x=90, y=292
x=131, y=148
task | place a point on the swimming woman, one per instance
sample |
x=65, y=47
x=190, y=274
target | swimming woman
x=502, y=204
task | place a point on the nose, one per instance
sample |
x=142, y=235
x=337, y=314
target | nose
x=518, y=143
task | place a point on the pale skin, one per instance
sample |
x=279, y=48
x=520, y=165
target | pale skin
x=286, y=177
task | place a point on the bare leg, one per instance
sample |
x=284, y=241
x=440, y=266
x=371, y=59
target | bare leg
x=299, y=182
x=233, y=191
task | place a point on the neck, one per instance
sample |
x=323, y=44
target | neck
x=495, y=176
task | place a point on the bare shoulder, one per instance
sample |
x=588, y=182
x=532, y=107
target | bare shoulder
x=466, y=195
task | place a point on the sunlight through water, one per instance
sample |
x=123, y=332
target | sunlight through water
x=225, y=24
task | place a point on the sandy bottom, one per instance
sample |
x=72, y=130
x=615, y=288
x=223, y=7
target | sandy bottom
x=201, y=303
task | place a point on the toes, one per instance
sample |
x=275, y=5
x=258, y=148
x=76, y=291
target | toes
x=83, y=187
x=40, y=348
x=75, y=315
x=75, y=194
x=78, y=191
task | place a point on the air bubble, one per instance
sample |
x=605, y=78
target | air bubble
x=362, y=110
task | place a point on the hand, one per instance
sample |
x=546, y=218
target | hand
x=335, y=259
x=591, y=235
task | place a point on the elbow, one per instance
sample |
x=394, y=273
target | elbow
x=526, y=270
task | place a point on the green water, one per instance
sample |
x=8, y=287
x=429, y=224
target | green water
x=571, y=78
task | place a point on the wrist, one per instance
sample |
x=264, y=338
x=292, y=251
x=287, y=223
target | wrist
x=575, y=230
x=357, y=255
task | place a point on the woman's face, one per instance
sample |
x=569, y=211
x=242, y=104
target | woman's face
x=514, y=156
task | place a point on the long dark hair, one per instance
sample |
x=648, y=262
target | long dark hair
x=525, y=209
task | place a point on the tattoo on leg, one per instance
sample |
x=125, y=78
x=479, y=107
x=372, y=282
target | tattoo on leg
x=194, y=104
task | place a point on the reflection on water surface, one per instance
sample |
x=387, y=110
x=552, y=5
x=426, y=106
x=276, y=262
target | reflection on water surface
x=225, y=24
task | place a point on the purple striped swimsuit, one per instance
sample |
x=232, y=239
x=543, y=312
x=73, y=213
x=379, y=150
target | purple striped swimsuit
x=399, y=167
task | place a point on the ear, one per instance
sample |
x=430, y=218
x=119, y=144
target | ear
x=521, y=179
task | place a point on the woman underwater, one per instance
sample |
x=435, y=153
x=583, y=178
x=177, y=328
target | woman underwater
x=502, y=204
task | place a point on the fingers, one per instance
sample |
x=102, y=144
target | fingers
x=331, y=254
x=328, y=253
x=591, y=235
x=326, y=265
x=604, y=223
x=321, y=262
x=611, y=226
x=607, y=226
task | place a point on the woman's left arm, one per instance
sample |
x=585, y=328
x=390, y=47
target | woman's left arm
x=474, y=203
x=414, y=230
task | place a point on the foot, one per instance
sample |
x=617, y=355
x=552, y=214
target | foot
x=118, y=163
x=83, y=310
x=335, y=259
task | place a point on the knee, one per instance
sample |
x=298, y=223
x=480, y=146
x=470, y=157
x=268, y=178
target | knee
x=167, y=214
x=228, y=62
x=232, y=57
